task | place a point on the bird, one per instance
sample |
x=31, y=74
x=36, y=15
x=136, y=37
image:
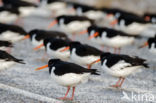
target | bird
x=86, y=10
x=68, y=74
x=151, y=43
x=8, y=15
x=150, y=17
x=25, y=8
x=120, y=65
x=72, y=24
x=7, y=60
x=11, y=32
x=6, y=46
x=38, y=35
x=53, y=47
x=129, y=24
x=82, y=54
x=110, y=37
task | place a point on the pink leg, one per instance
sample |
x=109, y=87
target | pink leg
x=121, y=82
x=72, y=94
x=117, y=83
x=63, y=98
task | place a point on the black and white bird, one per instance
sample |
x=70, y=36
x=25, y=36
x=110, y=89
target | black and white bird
x=121, y=66
x=25, y=8
x=110, y=37
x=6, y=46
x=11, y=33
x=86, y=10
x=53, y=47
x=57, y=7
x=129, y=24
x=7, y=60
x=72, y=24
x=8, y=15
x=150, y=17
x=83, y=54
x=151, y=43
x=37, y=36
x=68, y=74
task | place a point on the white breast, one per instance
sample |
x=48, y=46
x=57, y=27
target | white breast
x=83, y=60
x=76, y=26
x=11, y=36
x=120, y=69
x=95, y=15
x=7, y=17
x=5, y=64
x=117, y=41
x=26, y=11
x=70, y=79
x=56, y=6
x=36, y=43
x=57, y=54
x=153, y=49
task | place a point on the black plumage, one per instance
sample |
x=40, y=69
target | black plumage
x=12, y=28
x=17, y=3
x=69, y=18
x=7, y=57
x=43, y=34
x=56, y=43
x=113, y=59
x=10, y=10
x=84, y=50
x=151, y=41
x=5, y=44
x=62, y=68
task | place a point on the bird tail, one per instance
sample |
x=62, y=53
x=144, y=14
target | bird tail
x=19, y=61
x=94, y=71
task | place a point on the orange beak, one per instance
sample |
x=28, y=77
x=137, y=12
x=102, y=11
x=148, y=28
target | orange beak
x=36, y=48
x=145, y=44
x=109, y=15
x=65, y=49
x=45, y=66
x=26, y=37
x=147, y=18
x=94, y=35
x=114, y=22
x=95, y=61
x=83, y=32
x=52, y=24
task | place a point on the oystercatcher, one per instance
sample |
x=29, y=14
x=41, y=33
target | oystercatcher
x=83, y=54
x=8, y=15
x=7, y=60
x=72, y=24
x=110, y=37
x=25, y=8
x=129, y=24
x=120, y=65
x=68, y=74
x=86, y=10
x=37, y=36
x=5, y=46
x=53, y=47
x=151, y=43
x=11, y=33
x=150, y=17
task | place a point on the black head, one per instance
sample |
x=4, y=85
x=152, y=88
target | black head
x=151, y=41
x=33, y=32
x=104, y=55
x=92, y=28
x=51, y=63
x=74, y=45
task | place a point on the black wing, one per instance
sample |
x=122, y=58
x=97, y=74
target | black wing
x=7, y=57
x=66, y=67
